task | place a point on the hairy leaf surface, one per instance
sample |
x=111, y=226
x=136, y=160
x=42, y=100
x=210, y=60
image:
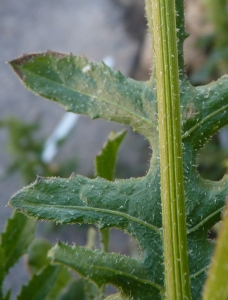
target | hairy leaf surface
x=133, y=205
x=96, y=264
x=82, y=86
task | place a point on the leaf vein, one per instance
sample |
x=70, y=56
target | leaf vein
x=107, y=211
x=204, y=269
x=205, y=220
x=186, y=134
x=144, y=281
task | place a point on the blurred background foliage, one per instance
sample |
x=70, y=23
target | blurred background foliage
x=25, y=147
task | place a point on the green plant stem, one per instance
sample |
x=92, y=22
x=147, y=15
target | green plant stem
x=177, y=282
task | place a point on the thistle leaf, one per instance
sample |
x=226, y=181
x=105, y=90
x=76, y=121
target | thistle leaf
x=84, y=87
x=104, y=268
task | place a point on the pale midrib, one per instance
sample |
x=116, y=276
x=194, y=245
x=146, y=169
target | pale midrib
x=93, y=96
x=205, y=220
x=186, y=134
x=107, y=211
x=116, y=272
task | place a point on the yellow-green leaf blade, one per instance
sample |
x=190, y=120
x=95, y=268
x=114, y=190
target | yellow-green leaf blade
x=216, y=286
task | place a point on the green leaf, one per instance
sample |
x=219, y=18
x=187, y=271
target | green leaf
x=103, y=268
x=16, y=238
x=84, y=87
x=45, y=285
x=216, y=287
x=105, y=161
x=37, y=255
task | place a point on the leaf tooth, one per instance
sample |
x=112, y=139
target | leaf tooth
x=73, y=174
x=39, y=179
x=120, y=75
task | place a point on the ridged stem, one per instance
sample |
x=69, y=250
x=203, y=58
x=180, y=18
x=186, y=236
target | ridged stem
x=177, y=282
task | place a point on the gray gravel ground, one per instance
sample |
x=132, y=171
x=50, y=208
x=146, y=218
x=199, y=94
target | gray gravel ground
x=91, y=27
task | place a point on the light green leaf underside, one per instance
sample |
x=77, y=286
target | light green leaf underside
x=216, y=287
x=16, y=238
x=84, y=87
x=106, y=159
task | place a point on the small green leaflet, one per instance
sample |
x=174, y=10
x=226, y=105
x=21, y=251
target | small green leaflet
x=105, y=161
